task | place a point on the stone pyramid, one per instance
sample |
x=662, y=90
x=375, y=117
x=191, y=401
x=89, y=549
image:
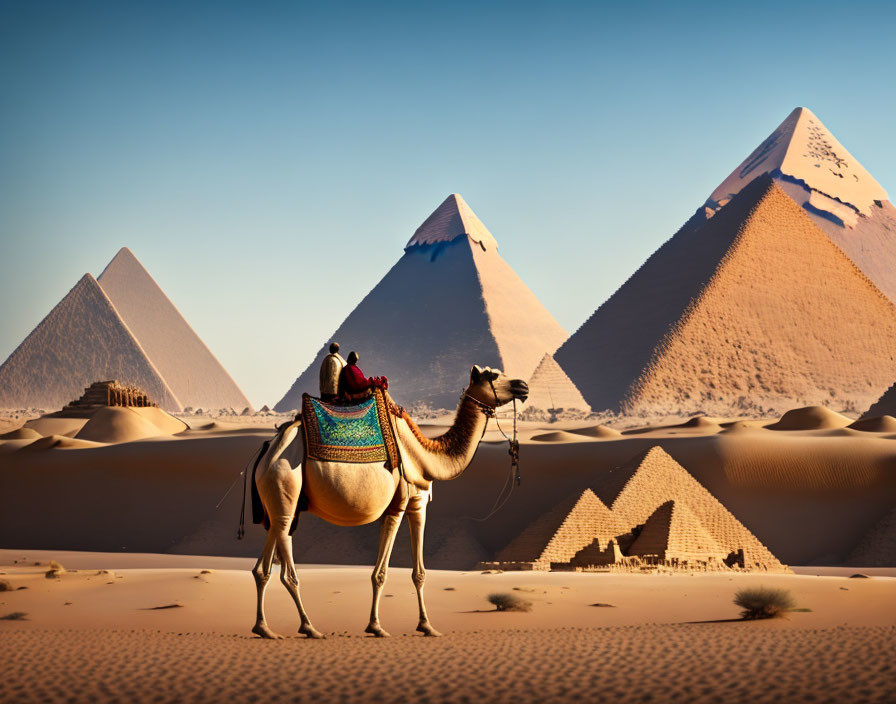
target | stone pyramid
x=560, y=534
x=194, y=374
x=673, y=532
x=82, y=340
x=834, y=189
x=550, y=387
x=449, y=302
x=119, y=327
x=636, y=490
x=752, y=309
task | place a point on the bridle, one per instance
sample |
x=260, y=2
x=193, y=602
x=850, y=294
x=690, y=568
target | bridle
x=514, y=478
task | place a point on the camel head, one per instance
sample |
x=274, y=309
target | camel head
x=493, y=388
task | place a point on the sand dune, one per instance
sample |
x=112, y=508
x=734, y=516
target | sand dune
x=116, y=424
x=21, y=434
x=597, y=431
x=558, y=436
x=880, y=424
x=810, y=418
x=59, y=442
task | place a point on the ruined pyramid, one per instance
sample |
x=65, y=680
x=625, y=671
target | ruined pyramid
x=673, y=532
x=651, y=479
x=569, y=527
x=122, y=327
x=449, y=302
x=752, y=309
x=551, y=388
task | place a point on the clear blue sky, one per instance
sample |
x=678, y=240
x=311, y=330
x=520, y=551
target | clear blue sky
x=235, y=147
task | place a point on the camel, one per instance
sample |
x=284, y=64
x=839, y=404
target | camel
x=356, y=494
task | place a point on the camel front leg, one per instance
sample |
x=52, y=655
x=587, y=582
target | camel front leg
x=417, y=522
x=388, y=531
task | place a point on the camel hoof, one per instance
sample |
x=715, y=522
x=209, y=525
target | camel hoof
x=261, y=629
x=377, y=630
x=428, y=630
x=311, y=632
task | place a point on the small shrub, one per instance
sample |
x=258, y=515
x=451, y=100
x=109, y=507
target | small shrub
x=15, y=616
x=5, y=586
x=56, y=570
x=763, y=602
x=509, y=602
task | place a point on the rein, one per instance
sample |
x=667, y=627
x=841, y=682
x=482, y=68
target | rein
x=514, y=478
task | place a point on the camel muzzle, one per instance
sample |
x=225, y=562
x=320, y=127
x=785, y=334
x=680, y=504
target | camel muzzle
x=519, y=389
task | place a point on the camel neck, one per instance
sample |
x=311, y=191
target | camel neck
x=448, y=455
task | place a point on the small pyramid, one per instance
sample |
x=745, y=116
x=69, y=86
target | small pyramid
x=673, y=532
x=81, y=340
x=652, y=478
x=558, y=535
x=550, y=388
x=451, y=301
x=194, y=374
x=755, y=308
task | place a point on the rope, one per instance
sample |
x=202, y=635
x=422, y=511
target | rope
x=513, y=478
x=244, y=474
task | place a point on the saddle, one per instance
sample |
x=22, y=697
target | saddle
x=360, y=433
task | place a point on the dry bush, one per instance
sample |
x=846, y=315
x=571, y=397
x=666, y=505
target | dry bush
x=15, y=616
x=763, y=602
x=509, y=602
x=55, y=570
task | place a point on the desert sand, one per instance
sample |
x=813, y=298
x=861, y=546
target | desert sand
x=99, y=634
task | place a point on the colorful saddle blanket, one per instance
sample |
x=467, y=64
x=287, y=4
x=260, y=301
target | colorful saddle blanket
x=359, y=433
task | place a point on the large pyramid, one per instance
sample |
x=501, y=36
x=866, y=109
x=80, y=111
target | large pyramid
x=754, y=308
x=450, y=302
x=122, y=327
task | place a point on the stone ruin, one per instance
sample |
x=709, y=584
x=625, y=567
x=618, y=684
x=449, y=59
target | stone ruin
x=648, y=514
x=106, y=393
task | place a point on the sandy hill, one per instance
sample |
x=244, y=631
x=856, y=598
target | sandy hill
x=883, y=406
x=449, y=302
x=551, y=388
x=122, y=327
x=637, y=489
x=755, y=308
x=191, y=370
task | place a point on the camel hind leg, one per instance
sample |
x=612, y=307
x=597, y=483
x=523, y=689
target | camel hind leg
x=279, y=488
x=388, y=531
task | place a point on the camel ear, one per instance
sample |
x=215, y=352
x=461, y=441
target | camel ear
x=475, y=373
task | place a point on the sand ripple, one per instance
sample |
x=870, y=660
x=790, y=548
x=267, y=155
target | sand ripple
x=712, y=662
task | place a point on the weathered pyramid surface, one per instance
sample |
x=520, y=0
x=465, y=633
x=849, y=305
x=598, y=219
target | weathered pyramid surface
x=449, y=302
x=754, y=308
x=836, y=191
x=559, y=534
x=81, y=340
x=635, y=491
x=884, y=406
x=550, y=387
x=194, y=374
x=450, y=220
x=877, y=548
x=673, y=532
